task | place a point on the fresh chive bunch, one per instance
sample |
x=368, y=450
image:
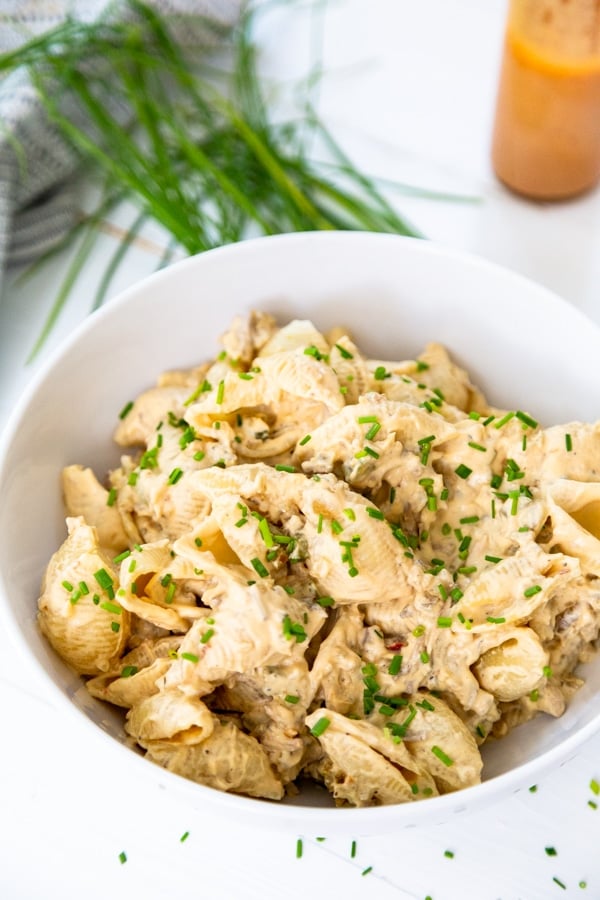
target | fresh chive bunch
x=194, y=148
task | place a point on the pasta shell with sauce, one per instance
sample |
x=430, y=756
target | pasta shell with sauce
x=362, y=765
x=85, y=496
x=228, y=760
x=88, y=634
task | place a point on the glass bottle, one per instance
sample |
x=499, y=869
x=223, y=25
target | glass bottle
x=546, y=140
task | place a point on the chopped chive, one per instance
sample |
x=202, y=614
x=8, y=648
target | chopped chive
x=367, y=870
x=527, y=420
x=568, y=442
x=493, y=620
x=191, y=657
x=550, y=851
x=533, y=789
x=67, y=585
x=299, y=845
x=281, y=468
x=444, y=622
x=559, y=883
x=506, y=418
x=531, y=591
x=259, y=567
x=128, y=671
x=305, y=439
x=424, y=656
x=419, y=630
x=534, y=695
x=293, y=630
x=126, y=409
x=175, y=475
x=375, y=513
x=207, y=636
x=368, y=451
x=463, y=471
x=477, y=447
x=592, y=804
x=122, y=857
x=111, y=608
x=320, y=726
x=449, y=854
x=121, y=556
x=325, y=601
x=372, y=432
x=464, y=545
x=456, y=595
x=514, y=506
x=202, y=388
x=395, y=664
x=292, y=698
x=443, y=757
x=104, y=579
x=352, y=849
x=425, y=704
x=381, y=373
x=115, y=627
x=469, y=520
x=493, y=559
x=595, y=787
x=345, y=354
x=265, y=531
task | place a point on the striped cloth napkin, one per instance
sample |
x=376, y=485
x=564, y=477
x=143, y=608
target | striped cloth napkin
x=38, y=191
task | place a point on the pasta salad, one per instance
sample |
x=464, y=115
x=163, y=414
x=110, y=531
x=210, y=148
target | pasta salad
x=315, y=565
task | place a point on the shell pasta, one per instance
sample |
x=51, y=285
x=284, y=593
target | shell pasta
x=314, y=564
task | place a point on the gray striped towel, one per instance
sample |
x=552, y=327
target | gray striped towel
x=38, y=192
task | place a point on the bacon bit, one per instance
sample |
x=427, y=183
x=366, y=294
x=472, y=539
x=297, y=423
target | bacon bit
x=398, y=645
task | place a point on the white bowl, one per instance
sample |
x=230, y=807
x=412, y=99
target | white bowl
x=524, y=346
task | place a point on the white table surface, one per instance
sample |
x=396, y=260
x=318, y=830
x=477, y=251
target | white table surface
x=409, y=90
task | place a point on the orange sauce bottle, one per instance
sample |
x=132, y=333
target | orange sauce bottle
x=546, y=140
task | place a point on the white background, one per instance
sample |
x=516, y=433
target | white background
x=409, y=90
